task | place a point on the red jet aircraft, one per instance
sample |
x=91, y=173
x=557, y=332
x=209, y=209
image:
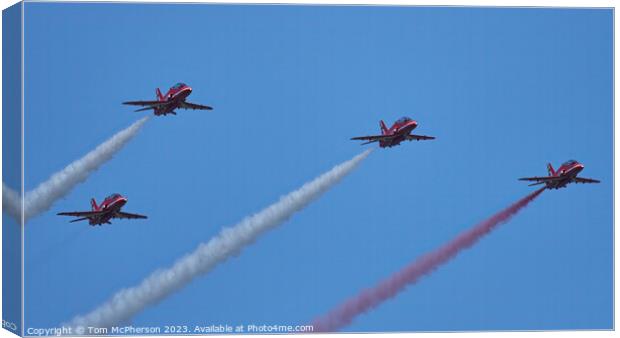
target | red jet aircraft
x=567, y=173
x=100, y=214
x=174, y=99
x=400, y=131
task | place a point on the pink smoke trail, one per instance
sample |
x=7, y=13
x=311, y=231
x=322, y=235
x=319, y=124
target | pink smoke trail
x=368, y=299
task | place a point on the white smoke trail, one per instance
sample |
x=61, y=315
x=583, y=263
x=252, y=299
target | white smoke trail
x=160, y=284
x=11, y=202
x=59, y=184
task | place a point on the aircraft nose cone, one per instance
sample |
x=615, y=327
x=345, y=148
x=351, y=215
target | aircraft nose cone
x=122, y=201
x=578, y=168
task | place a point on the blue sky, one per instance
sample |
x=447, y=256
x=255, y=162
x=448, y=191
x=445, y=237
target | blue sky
x=504, y=91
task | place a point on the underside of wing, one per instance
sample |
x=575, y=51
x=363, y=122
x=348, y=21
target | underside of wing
x=81, y=213
x=152, y=104
x=147, y=104
x=145, y=108
x=121, y=214
x=79, y=219
x=585, y=180
x=419, y=137
x=539, y=178
x=188, y=105
x=373, y=138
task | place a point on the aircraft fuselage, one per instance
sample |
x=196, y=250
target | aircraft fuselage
x=400, y=132
x=567, y=174
x=174, y=98
x=111, y=208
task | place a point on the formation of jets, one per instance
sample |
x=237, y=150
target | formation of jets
x=400, y=131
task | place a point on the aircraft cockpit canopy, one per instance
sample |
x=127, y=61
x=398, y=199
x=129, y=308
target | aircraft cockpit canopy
x=178, y=85
x=115, y=195
x=403, y=119
x=569, y=163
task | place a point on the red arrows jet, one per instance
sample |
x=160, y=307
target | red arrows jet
x=567, y=173
x=400, y=131
x=174, y=99
x=100, y=214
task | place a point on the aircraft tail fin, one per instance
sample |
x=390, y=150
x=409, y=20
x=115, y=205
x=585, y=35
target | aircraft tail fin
x=93, y=204
x=550, y=169
x=383, y=127
x=160, y=97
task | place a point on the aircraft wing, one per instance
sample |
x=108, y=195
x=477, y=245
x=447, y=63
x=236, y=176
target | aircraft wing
x=373, y=138
x=585, y=180
x=147, y=104
x=121, y=214
x=419, y=137
x=187, y=105
x=145, y=108
x=376, y=138
x=540, y=179
x=79, y=219
x=81, y=213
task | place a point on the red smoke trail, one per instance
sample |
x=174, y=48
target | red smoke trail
x=388, y=288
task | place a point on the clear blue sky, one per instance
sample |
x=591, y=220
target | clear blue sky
x=504, y=91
